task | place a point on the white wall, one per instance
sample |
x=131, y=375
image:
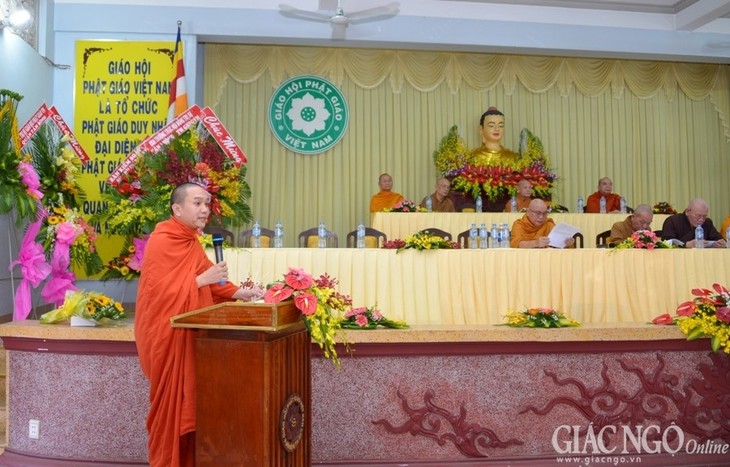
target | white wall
x=24, y=71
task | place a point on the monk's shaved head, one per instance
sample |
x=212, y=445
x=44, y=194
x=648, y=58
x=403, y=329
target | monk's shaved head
x=180, y=192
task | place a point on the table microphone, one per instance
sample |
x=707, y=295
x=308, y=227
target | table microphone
x=218, y=247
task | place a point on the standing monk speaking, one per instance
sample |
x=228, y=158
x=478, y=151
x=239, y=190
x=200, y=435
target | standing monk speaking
x=176, y=277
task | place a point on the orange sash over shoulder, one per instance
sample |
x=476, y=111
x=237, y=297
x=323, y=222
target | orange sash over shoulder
x=384, y=200
x=172, y=260
x=524, y=230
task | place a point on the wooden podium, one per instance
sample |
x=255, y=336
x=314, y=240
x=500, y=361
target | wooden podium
x=253, y=384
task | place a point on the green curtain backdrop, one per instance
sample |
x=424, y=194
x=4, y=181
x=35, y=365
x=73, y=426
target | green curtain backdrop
x=658, y=129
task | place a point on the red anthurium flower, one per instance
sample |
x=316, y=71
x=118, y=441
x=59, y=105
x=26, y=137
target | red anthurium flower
x=686, y=308
x=297, y=279
x=666, y=318
x=277, y=293
x=306, y=302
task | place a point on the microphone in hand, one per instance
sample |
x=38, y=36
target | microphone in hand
x=218, y=248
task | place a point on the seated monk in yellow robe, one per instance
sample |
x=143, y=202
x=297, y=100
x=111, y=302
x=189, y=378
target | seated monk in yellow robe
x=532, y=229
x=385, y=199
x=176, y=277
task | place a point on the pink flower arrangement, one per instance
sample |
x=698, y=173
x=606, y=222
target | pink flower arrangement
x=30, y=179
x=325, y=310
x=643, y=239
x=322, y=306
x=404, y=205
x=369, y=318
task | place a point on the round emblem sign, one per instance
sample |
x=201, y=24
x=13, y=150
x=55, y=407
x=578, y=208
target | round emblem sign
x=308, y=114
x=291, y=422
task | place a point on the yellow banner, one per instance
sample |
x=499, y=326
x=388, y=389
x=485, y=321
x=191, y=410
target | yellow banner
x=122, y=91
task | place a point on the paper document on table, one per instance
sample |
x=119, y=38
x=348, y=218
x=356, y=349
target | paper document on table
x=560, y=233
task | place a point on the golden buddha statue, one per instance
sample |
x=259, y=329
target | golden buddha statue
x=491, y=152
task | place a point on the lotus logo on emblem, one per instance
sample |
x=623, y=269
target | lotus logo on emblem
x=308, y=114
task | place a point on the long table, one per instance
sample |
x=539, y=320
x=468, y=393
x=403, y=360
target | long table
x=400, y=225
x=479, y=286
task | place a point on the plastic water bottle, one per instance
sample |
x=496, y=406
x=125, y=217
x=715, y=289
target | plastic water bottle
x=360, y=243
x=483, y=237
x=581, y=204
x=478, y=204
x=321, y=236
x=603, y=205
x=505, y=236
x=278, y=235
x=699, y=237
x=623, y=205
x=256, y=235
x=429, y=203
x=513, y=204
x=473, y=237
x=494, y=236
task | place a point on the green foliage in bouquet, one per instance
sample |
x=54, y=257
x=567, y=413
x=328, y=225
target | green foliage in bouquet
x=14, y=194
x=539, y=317
x=88, y=305
x=61, y=218
x=57, y=165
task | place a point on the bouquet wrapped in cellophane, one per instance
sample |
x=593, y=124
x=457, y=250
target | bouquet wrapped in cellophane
x=91, y=306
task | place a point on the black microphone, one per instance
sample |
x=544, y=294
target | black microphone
x=218, y=247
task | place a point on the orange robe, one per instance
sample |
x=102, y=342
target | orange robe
x=725, y=226
x=384, y=200
x=173, y=258
x=522, y=203
x=524, y=230
x=593, y=203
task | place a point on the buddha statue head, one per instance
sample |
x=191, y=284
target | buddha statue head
x=491, y=127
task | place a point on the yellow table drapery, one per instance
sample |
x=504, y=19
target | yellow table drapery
x=400, y=225
x=479, y=286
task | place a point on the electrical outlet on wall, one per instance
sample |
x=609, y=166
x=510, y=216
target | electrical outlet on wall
x=34, y=429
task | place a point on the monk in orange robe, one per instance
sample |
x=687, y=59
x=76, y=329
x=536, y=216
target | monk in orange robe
x=725, y=227
x=385, y=199
x=523, y=196
x=605, y=190
x=532, y=229
x=176, y=277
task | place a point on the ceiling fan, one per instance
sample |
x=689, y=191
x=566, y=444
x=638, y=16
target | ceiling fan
x=338, y=19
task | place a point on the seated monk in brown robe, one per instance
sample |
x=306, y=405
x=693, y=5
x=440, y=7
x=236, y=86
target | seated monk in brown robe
x=532, y=229
x=440, y=201
x=639, y=220
x=176, y=277
x=385, y=198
